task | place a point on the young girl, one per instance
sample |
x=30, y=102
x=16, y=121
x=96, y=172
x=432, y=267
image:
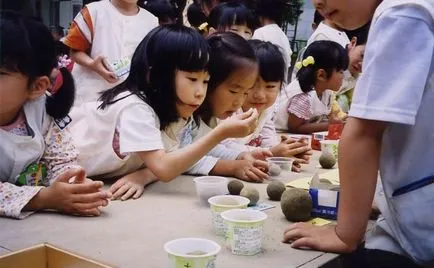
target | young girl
x=305, y=104
x=232, y=17
x=390, y=129
x=38, y=160
x=262, y=97
x=103, y=37
x=123, y=135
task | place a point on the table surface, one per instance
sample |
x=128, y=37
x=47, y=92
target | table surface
x=132, y=233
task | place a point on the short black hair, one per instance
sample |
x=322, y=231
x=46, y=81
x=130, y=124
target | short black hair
x=27, y=47
x=328, y=55
x=228, y=52
x=195, y=15
x=274, y=10
x=317, y=18
x=231, y=13
x=361, y=34
x=163, y=51
x=270, y=60
x=162, y=9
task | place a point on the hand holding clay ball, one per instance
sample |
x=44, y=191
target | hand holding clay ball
x=327, y=160
x=235, y=187
x=296, y=205
x=275, y=190
x=251, y=193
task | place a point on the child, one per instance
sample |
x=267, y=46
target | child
x=164, y=10
x=262, y=97
x=232, y=17
x=305, y=104
x=390, y=129
x=38, y=159
x=103, y=37
x=271, y=14
x=125, y=137
x=197, y=19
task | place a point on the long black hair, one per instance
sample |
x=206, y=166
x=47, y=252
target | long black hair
x=270, y=59
x=28, y=47
x=328, y=55
x=228, y=53
x=225, y=15
x=153, y=66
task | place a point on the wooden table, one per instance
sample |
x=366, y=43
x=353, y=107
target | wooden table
x=132, y=233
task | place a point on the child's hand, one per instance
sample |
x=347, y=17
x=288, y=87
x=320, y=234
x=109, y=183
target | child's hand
x=240, y=125
x=132, y=185
x=289, y=147
x=260, y=154
x=70, y=193
x=98, y=66
x=251, y=171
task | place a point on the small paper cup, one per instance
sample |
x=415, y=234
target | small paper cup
x=285, y=163
x=330, y=146
x=222, y=203
x=192, y=252
x=245, y=231
x=209, y=186
x=308, y=138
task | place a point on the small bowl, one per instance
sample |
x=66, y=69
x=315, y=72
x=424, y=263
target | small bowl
x=330, y=146
x=209, y=186
x=222, y=203
x=285, y=163
x=192, y=252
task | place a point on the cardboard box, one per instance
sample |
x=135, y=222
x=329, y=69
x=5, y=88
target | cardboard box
x=325, y=198
x=47, y=256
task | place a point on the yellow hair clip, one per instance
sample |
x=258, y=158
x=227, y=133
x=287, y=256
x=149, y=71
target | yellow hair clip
x=298, y=65
x=308, y=61
x=203, y=26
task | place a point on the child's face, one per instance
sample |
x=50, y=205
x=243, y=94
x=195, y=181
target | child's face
x=356, y=58
x=190, y=91
x=334, y=82
x=242, y=30
x=228, y=97
x=262, y=95
x=13, y=94
x=348, y=14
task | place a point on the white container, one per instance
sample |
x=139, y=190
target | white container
x=297, y=137
x=245, y=231
x=285, y=163
x=192, y=252
x=330, y=146
x=222, y=203
x=209, y=186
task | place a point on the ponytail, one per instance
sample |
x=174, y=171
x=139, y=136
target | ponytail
x=60, y=101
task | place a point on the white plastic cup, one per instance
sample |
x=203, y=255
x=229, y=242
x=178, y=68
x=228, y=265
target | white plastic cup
x=297, y=137
x=222, y=203
x=330, y=146
x=285, y=163
x=245, y=231
x=209, y=186
x=192, y=252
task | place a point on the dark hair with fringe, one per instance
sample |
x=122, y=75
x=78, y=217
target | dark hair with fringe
x=27, y=47
x=227, y=14
x=228, y=53
x=195, y=15
x=270, y=59
x=274, y=10
x=153, y=66
x=328, y=55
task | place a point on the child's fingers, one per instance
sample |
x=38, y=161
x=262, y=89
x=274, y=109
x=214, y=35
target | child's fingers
x=129, y=193
x=138, y=193
x=84, y=188
x=121, y=191
x=260, y=174
x=89, y=212
x=115, y=186
x=261, y=164
x=70, y=173
x=80, y=207
x=89, y=198
x=245, y=115
x=252, y=176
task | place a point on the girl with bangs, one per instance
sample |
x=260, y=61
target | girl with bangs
x=123, y=134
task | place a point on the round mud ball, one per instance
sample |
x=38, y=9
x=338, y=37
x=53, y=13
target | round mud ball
x=235, y=187
x=274, y=170
x=296, y=205
x=251, y=193
x=275, y=190
x=327, y=160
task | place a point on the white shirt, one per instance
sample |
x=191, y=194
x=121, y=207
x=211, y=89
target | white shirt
x=397, y=87
x=274, y=34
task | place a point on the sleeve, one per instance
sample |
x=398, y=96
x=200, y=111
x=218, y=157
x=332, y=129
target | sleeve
x=300, y=106
x=203, y=166
x=139, y=130
x=222, y=152
x=81, y=32
x=13, y=199
x=396, y=66
x=258, y=35
x=269, y=135
x=60, y=154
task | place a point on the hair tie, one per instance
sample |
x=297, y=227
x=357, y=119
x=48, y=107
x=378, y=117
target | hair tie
x=203, y=26
x=57, y=80
x=305, y=63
